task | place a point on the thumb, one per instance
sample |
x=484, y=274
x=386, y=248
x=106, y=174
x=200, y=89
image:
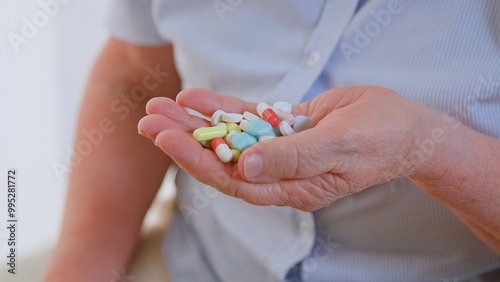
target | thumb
x=301, y=155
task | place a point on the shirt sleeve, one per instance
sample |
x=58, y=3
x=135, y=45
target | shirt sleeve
x=132, y=21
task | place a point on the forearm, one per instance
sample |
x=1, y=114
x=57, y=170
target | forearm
x=464, y=174
x=112, y=187
x=107, y=199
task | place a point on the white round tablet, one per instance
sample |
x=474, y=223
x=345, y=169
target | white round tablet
x=284, y=106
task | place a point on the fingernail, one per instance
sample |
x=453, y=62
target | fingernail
x=252, y=166
x=157, y=144
x=143, y=133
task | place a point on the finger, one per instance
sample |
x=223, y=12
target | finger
x=203, y=165
x=187, y=152
x=302, y=194
x=169, y=108
x=207, y=102
x=301, y=155
x=329, y=101
x=153, y=124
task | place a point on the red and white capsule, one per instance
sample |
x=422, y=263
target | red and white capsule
x=267, y=113
x=221, y=149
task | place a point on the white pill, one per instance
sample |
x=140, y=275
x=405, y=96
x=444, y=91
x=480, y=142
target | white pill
x=242, y=122
x=285, y=128
x=232, y=117
x=284, y=106
x=301, y=123
x=284, y=116
x=222, y=124
x=266, y=137
x=229, y=137
x=249, y=116
x=221, y=149
x=224, y=153
x=216, y=117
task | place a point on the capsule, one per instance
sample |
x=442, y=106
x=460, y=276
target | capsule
x=236, y=155
x=284, y=116
x=221, y=149
x=267, y=113
x=285, y=128
x=231, y=126
x=257, y=128
x=223, y=124
x=261, y=107
x=231, y=133
x=209, y=133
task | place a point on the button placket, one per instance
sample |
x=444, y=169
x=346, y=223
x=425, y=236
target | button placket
x=313, y=59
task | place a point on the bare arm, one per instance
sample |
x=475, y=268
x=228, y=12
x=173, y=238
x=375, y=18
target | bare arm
x=112, y=188
x=464, y=174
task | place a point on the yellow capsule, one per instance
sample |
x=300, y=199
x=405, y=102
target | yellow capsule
x=209, y=133
x=233, y=126
x=236, y=155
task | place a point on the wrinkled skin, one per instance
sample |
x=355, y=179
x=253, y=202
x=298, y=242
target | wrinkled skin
x=360, y=137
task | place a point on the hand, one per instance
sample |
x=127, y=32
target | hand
x=361, y=137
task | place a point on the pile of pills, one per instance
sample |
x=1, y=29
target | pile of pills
x=231, y=133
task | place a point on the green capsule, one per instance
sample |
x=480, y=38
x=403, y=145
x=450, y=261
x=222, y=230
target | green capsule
x=209, y=133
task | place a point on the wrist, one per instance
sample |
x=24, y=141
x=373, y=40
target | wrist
x=447, y=150
x=435, y=145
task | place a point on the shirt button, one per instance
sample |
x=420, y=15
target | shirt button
x=313, y=59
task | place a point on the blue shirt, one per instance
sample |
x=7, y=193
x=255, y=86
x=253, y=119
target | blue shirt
x=443, y=53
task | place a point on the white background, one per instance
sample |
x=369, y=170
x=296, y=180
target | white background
x=40, y=88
